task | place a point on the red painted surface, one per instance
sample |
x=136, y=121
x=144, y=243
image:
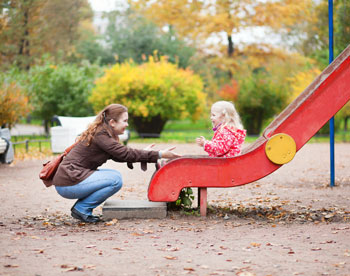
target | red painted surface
x=301, y=120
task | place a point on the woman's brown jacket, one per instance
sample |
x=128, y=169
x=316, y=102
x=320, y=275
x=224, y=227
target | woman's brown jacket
x=83, y=160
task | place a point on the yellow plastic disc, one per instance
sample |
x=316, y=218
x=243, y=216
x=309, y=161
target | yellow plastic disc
x=280, y=149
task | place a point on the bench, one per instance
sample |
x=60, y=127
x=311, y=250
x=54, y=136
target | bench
x=6, y=148
x=64, y=135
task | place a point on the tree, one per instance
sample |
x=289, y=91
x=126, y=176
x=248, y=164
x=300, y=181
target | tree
x=132, y=36
x=13, y=103
x=61, y=90
x=213, y=24
x=260, y=97
x=154, y=92
x=30, y=28
x=314, y=34
x=342, y=26
x=314, y=42
x=90, y=48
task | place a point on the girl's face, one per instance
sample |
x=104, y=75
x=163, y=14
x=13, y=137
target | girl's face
x=120, y=125
x=216, y=117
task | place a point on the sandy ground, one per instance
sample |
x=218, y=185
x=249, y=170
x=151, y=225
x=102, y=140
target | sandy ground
x=289, y=223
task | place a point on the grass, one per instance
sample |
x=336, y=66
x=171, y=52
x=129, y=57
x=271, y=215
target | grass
x=36, y=147
x=184, y=131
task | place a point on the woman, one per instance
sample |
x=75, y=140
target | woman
x=78, y=176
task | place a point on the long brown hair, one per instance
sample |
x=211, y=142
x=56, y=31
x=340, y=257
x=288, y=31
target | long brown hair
x=112, y=111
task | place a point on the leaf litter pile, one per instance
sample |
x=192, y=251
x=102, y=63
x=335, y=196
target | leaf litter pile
x=273, y=212
x=273, y=209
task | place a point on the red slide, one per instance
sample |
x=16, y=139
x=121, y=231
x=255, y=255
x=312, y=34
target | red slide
x=320, y=101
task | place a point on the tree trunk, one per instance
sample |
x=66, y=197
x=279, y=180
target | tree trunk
x=24, y=46
x=47, y=127
x=230, y=51
x=255, y=121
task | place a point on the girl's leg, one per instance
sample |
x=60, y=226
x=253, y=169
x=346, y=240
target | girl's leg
x=94, y=190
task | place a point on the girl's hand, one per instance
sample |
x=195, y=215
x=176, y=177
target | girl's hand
x=200, y=141
x=168, y=154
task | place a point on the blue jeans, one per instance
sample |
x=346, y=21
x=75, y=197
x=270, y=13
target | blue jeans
x=92, y=191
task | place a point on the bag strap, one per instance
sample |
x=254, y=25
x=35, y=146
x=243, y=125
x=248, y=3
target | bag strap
x=70, y=148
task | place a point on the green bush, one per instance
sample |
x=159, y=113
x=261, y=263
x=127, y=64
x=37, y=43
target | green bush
x=260, y=97
x=61, y=89
x=153, y=92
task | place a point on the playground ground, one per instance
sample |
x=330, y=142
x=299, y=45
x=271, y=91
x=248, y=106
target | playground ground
x=289, y=223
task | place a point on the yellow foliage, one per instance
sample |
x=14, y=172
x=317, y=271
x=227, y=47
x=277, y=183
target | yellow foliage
x=301, y=80
x=151, y=89
x=13, y=104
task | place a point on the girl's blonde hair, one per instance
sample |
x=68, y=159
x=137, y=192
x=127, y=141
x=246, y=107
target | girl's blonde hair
x=112, y=111
x=228, y=110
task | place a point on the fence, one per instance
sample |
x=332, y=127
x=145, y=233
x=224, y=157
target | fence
x=28, y=141
x=341, y=136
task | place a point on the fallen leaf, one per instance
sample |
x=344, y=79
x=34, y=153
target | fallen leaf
x=119, y=249
x=136, y=234
x=170, y=257
x=111, y=222
x=90, y=267
x=71, y=269
x=11, y=265
x=327, y=242
x=172, y=249
x=245, y=273
x=189, y=268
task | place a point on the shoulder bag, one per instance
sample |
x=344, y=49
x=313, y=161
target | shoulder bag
x=49, y=168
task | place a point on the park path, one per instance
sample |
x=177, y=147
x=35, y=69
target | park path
x=24, y=129
x=288, y=223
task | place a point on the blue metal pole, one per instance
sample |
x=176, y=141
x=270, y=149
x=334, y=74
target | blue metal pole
x=331, y=122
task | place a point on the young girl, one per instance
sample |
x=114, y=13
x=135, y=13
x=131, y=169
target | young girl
x=228, y=130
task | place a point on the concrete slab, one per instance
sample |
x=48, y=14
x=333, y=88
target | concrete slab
x=127, y=209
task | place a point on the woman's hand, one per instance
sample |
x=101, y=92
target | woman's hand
x=150, y=147
x=200, y=141
x=168, y=154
